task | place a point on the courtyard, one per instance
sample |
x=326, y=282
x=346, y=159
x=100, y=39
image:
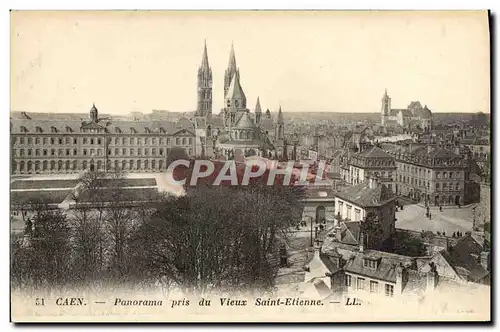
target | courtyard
x=449, y=220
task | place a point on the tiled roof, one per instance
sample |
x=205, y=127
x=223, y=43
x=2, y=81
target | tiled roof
x=350, y=232
x=364, y=196
x=235, y=90
x=374, y=152
x=112, y=126
x=387, y=262
x=462, y=256
x=244, y=122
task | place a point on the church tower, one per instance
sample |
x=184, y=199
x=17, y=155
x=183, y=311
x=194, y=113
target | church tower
x=385, y=109
x=258, y=113
x=280, y=134
x=231, y=71
x=204, y=106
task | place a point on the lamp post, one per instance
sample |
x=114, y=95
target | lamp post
x=310, y=220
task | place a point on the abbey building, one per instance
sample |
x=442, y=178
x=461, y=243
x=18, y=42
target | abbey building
x=44, y=143
x=413, y=117
x=236, y=127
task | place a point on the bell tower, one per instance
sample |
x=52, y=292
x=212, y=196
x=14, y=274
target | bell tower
x=204, y=92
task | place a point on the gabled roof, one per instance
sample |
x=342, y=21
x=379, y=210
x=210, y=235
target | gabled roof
x=374, y=152
x=244, y=122
x=235, y=90
x=364, y=196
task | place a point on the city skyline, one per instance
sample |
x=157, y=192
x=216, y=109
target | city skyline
x=286, y=64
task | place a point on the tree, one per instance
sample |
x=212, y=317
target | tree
x=371, y=230
x=201, y=243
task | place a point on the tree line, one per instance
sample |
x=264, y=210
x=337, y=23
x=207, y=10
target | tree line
x=223, y=238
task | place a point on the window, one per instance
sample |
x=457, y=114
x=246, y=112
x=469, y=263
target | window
x=52, y=140
x=116, y=152
x=177, y=141
x=370, y=263
x=116, y=141
x=161, y=152
x=44, y=152
x=21, y=152
x=37, y=152
x=84, y=152
x=84, y=140
x=389, y=290
x=74, y=152
x=360, y=283
x=52, y=152
x=146, y=151
x=92, y=141
x=373, y=286
x=45, y=140
x=124, y=152
x=74, y=141
x=437, y=185
x=99, y=141
x=153, y=141
x=67, y=152
x=348, y=280
x=37, y=140
x=60, y=141
x=438, y=175
x=358, y=214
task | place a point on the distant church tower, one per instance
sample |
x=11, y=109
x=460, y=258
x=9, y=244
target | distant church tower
x=94, y=114
x=258, y=113
x=280, y=134
x=204, y=106
x=385, y=109
x=231, y=71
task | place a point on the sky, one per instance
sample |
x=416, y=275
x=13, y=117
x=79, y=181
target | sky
x=304, y=61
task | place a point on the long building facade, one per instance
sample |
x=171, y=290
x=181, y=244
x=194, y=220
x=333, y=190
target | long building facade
x=71, y=146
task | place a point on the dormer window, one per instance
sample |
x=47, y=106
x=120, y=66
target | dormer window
x=24, y=129
x=39, y=130
x=68, y=129
x=132, y=130
x=53, y=129
x=118, y=130
x=370, y=263
x=147, y=130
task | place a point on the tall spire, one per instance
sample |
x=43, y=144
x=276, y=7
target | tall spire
x=280, y=116
x=204, y=87
x=230, y=71
x=235, y=93
x=232, y=58
x=204, y=60
x=257, y=106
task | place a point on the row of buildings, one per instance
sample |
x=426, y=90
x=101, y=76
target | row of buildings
x=431, y=174
x=44, y=143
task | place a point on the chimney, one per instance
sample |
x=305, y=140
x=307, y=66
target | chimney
x=361, y=241
x=485, y=260
x=338, y=234
x=400, y=270
x=432, y=277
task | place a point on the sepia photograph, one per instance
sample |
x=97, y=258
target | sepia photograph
x=250, y=166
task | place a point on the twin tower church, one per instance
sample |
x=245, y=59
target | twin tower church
x=236, y=127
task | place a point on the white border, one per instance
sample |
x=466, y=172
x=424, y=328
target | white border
x=186, y=4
